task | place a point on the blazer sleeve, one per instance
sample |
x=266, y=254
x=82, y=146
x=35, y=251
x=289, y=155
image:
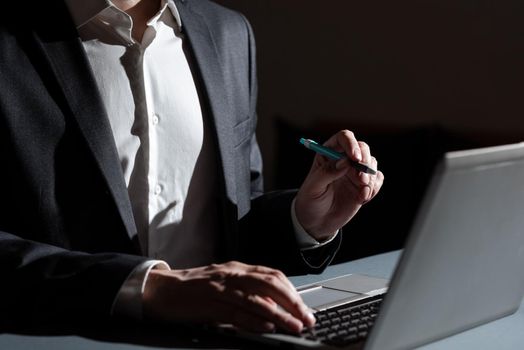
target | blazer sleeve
x=267, y=237
x=42, y=283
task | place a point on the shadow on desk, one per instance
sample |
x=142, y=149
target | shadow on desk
x=141, y=334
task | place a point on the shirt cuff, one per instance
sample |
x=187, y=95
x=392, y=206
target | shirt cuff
x=128, y=301
x=304, y=239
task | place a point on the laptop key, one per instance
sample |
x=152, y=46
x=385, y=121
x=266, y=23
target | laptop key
x=344, y=325
x=320, y=317
x=325, y=323
x=362, y=335
x=351, y=338
x=342, y=333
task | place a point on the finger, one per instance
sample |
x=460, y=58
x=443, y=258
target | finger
x=379, y=181
x=365, y=194
x=323, y=175
x=267, y=285
x=229, y=308
x=277, y=273
x=375, y=183
x=252, y=322
x=366, y=159
x=270, y=284
x=366, y=153
x=262, y=312
x=346, y=141
x=326, y=171
x=272, y=287
x=241, y=268
x=266, y=282
x=270, y=301
x=374, y=163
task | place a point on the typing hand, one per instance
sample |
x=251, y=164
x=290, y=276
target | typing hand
x=334, y=191
x=245, y=296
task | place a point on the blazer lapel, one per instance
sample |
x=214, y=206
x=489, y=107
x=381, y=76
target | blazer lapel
x=71, y=68
x=202, y=45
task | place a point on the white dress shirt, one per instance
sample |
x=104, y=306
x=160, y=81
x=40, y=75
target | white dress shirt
x=163, y=140
x=165, y=150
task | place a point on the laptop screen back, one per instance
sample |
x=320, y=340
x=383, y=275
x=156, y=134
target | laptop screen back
x=462, y=265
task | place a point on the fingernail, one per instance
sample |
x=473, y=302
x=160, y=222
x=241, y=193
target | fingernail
x=357, y=155
x=295, y=325
x=311, y=320
x=269, y=327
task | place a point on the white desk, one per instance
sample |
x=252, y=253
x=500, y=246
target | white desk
x=505, y=333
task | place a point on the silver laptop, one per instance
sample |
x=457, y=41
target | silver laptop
x=462, y=265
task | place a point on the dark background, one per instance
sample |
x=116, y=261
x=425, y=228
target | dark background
x=412, y=78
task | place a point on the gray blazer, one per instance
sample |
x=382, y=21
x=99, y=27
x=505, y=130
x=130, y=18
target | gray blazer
x=65, y=215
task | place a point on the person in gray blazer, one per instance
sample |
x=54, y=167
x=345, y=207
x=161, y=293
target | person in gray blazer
x=130, y=181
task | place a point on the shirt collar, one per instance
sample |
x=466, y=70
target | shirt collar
x=83, y=11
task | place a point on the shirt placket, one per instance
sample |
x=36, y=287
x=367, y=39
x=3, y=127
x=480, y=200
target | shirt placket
x=152, y=115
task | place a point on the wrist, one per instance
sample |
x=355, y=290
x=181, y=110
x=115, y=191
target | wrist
x=154, y=289
x=305, y=239
x=129, y=300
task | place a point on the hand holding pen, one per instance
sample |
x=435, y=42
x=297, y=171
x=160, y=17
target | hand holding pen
x=332, y=154
x=338, y=184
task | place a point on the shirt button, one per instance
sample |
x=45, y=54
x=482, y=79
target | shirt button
x=158, y=189
x=155, y=119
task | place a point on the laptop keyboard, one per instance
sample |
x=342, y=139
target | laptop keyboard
x=344, y=324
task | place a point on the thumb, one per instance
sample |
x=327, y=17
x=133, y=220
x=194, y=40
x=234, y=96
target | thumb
x=325, y=173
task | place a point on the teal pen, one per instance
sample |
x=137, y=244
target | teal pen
x=330, y=153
